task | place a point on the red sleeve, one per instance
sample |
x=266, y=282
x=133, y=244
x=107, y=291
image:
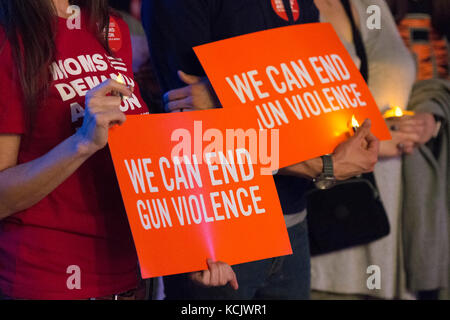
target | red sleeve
x=12, y=118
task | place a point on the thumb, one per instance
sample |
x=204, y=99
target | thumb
x=210, y=263
x=188, y=79
x=364, y=130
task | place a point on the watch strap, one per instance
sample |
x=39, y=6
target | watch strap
x=328, y=169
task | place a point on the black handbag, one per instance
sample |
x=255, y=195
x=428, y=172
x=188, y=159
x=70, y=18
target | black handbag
x=350, y=213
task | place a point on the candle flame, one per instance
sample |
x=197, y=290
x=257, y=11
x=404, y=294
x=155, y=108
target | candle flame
x=120, y=79
x=397, y=112
x=355, y=123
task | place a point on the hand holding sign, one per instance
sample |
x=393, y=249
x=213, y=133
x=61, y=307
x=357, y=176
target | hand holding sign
x=197, y=95
x=218, y=274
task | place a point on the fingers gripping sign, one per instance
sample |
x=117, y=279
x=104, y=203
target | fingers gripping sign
x=218, y=274
x=198, y=94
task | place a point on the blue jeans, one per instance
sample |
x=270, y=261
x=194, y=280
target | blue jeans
x=282, y=278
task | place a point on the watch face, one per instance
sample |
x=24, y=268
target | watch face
x=324, y=183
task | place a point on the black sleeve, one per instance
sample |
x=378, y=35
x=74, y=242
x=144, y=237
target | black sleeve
x=173, y=28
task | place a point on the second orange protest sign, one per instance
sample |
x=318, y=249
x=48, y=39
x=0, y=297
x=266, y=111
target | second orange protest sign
x=298, y=79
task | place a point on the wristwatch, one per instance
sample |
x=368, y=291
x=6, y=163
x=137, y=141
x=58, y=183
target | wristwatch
x=326, y=179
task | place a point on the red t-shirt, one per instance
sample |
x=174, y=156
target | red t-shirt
x=78, y=234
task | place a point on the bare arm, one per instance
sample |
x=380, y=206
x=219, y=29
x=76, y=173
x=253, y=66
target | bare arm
x=24, y=185
x=307, y=169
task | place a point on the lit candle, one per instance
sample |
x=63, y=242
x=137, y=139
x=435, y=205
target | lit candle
x=397, y=112
x=121, y=80
x=354, y=124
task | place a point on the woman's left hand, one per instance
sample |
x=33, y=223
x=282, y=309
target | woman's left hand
x=421, y=124
x=427, y=131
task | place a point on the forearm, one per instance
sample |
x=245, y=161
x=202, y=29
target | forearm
x=26, y=184
x=344, y=168
x=309, y=169
x=355, y=156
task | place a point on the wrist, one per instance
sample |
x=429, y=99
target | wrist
x=315, y=167
x=83, y=147
x=338, y=165
x=327, y=177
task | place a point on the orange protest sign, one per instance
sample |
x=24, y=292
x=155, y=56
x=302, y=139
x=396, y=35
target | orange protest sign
x=190, y=197
x=298, y=79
